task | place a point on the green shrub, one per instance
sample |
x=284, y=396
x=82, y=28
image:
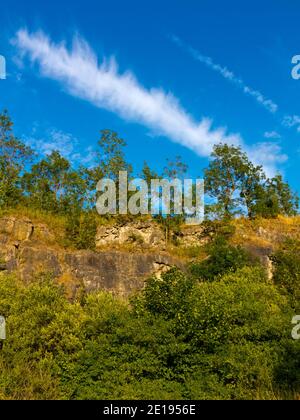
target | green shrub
x=222, y=259
x=286, y=263
x=81, y=228
x=232, y=328
x=178, y=339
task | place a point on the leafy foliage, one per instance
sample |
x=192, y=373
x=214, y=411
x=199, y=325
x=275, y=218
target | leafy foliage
x=81, y=228
x=235, y=183
x=14, y=155
x=179, y=338
x=224, y=337
x=286, y=263
x=222, y=258
x=53, y=184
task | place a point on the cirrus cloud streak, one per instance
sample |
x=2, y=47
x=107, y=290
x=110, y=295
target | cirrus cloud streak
x=79, y=73
x=103, y=85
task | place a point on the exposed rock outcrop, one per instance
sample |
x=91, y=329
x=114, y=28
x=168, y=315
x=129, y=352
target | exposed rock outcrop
x=30, y=248
x=192, y=236
x=142, y=233
x=26, y=248
x=145, y=234
x=34, y=258
x=16, y=229
x=115, y=271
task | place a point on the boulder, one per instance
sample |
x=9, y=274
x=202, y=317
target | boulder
x=16, y=229
x=147, y=234
x=192, y=236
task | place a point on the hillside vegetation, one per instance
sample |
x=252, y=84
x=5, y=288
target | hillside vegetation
x=219, y=328
x=180, y=338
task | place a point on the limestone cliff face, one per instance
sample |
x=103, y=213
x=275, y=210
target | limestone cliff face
x=116, y=271
x=27, y=249
x=146, y=234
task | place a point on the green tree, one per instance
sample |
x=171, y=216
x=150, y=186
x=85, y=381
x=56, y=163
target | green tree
x=227, y=339
x=44, y=184
x=148, y=175
x=14, y=155
x=234, y=330
x=110, y=161
x=171, y=222
x=275, y=198
x=54, y=186
x=287, y=201
x=286, y=275
x=232, y=180
x=222, y=258
x=81, y=228
x=110, y=158
x=43, y=331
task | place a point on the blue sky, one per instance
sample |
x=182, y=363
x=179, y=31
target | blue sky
x=171, y=77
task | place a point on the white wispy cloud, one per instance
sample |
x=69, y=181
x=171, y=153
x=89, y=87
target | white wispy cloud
x=292, y=121
x=80, y=74
x=103, y=85
x=268, y=104
x=272, y=135
x=65, y=143
x=53, y=140
x=88, y=158
x=269, y=155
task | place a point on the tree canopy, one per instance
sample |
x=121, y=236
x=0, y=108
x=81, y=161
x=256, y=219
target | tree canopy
x=54, y=184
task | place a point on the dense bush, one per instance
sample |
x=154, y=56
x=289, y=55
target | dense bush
x=227, y=336
x=286, y=263
x=81, y=228
x=179, y=339
x=222, y=258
